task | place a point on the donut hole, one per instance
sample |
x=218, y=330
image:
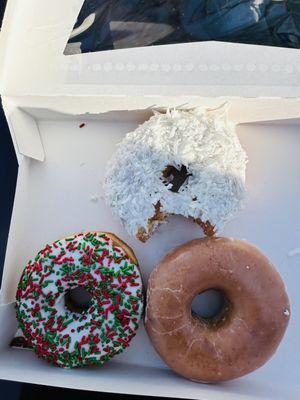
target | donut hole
x=174, y=177
x=78, y=300
x=210, y=305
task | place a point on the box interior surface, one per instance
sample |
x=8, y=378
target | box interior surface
x=63, y=194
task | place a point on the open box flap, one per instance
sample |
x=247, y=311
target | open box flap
x=35, y=37
x=22, y=112
x=24, y=131
x=241, y=110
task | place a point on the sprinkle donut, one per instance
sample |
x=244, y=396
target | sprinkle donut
x=179, y=162
x=247, y=330
x=103, y=266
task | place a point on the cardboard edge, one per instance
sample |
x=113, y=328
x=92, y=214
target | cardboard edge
x=242, y=110
x=24, y=131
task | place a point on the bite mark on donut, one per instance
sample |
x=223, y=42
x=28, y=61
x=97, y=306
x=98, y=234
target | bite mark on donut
x=159, y=217
x=208, y=229
x=153, y=222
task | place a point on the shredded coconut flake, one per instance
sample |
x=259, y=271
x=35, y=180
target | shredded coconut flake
x=201, y=140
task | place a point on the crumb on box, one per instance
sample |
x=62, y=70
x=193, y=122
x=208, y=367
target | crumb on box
x=94, y=198
x=294, y=252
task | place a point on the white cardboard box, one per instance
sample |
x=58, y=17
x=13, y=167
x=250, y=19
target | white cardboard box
x=47, y=95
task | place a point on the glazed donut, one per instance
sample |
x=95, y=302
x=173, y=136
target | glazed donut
x=180, y=162
x=60, y=333
x=238, y=340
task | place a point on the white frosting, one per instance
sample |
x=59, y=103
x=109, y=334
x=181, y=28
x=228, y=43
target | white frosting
x=199, y=139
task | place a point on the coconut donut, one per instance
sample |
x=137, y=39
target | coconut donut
x=184, y=162
x=64, y=333
x=242, y=336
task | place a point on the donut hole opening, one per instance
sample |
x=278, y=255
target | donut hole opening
x=210, y=306
x=175, y=177
x=78, y=300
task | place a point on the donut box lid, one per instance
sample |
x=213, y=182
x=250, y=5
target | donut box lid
x=34, y=37
x=262, y=83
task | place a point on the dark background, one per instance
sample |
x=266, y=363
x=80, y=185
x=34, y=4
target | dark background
x=8, y=176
